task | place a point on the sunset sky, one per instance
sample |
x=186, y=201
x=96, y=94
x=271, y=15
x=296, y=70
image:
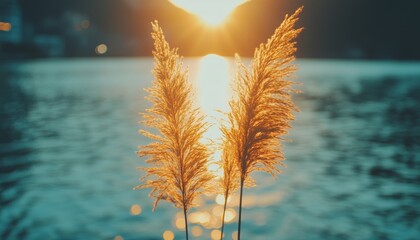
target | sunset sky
x=333, y=29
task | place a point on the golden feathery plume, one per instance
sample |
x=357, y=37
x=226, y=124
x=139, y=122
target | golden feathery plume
x=263, y=108
x=178, y=171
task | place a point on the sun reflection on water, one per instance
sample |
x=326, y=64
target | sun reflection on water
x=212, y=81
x=213, y=95
x=213, y=86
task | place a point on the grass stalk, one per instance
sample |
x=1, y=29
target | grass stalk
x=176, y=168
x=261, y=112
x=224, y=212
x=240, y=209
x=186, y=223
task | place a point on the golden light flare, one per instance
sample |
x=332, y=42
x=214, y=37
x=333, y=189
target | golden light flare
x=211, y=12
x=5, y=26
x=214, y=223
x=168, y=235
x=217, y=210
x=118, y=237
x=135, y=209
x=101, y=49
x=197, y=231
x=215, y=234
x=235, y=235
x=200, y=217
x=230, y=215
x=180, y=223
x=220, y=199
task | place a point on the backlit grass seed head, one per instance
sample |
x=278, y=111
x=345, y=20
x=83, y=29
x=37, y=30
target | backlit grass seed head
x=176, y=166
x=263, y=108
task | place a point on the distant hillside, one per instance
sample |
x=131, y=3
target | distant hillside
x=375, y=29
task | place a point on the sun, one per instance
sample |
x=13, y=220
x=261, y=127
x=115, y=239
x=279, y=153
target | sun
x=211, y=12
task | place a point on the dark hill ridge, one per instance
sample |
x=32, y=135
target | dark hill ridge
x=379, y=29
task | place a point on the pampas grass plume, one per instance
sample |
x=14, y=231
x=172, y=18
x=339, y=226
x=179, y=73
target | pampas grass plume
x=177, y=160
x=263, y=108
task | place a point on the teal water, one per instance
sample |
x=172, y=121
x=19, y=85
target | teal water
x=68, y=163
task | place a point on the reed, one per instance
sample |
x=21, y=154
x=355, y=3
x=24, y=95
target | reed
x=177, y=160
x=262, y=110
x=229, y=181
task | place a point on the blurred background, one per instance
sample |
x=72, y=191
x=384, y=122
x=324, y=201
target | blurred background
x=333, y=29
x=72, y=75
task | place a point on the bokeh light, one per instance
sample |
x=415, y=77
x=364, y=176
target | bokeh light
x=101, y=49
x=201, y=217
x=118, y=237
x=235, y=235
x=197, y=231
x=215, y=222
x=215, y=234
x=180, y=223
x=135, y=209
x=168, y=235
x=217, y=211
x=230, y=215
x=220, y=199
x=5, y=26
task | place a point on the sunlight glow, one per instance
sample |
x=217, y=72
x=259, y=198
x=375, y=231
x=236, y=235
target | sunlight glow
x=212, y=12
x=213, y=95
x=213, y=83
x=213, y=90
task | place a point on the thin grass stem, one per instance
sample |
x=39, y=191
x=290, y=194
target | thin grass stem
x=240, y=209
x=224, y=212
x=186, y=223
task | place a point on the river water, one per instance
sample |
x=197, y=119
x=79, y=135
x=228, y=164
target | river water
x=69, y=136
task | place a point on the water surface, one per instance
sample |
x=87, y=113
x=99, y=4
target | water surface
x=68, y=163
